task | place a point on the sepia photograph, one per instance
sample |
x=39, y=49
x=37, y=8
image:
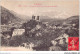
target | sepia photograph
x=49, y=25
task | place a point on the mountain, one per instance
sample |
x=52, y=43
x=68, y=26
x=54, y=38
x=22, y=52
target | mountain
x=49, y=19
x=7, y=16
x=73, y=20
x=45, y=18
x=56, y=21
x=24, y=17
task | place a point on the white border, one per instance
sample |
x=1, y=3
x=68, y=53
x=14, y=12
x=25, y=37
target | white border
x=40, y=52
x=79, y=25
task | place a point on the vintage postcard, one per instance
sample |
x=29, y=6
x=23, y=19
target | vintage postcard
x=39, y=25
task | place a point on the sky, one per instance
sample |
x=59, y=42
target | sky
x=52, y=8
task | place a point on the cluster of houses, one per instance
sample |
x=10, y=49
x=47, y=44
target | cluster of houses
x=34, y=24
x=61, y=41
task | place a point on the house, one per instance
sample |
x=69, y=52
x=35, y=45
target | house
x=18, y=32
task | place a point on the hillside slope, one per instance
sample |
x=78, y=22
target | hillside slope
x=8, y=17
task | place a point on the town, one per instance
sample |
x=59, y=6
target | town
x=37, y=35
